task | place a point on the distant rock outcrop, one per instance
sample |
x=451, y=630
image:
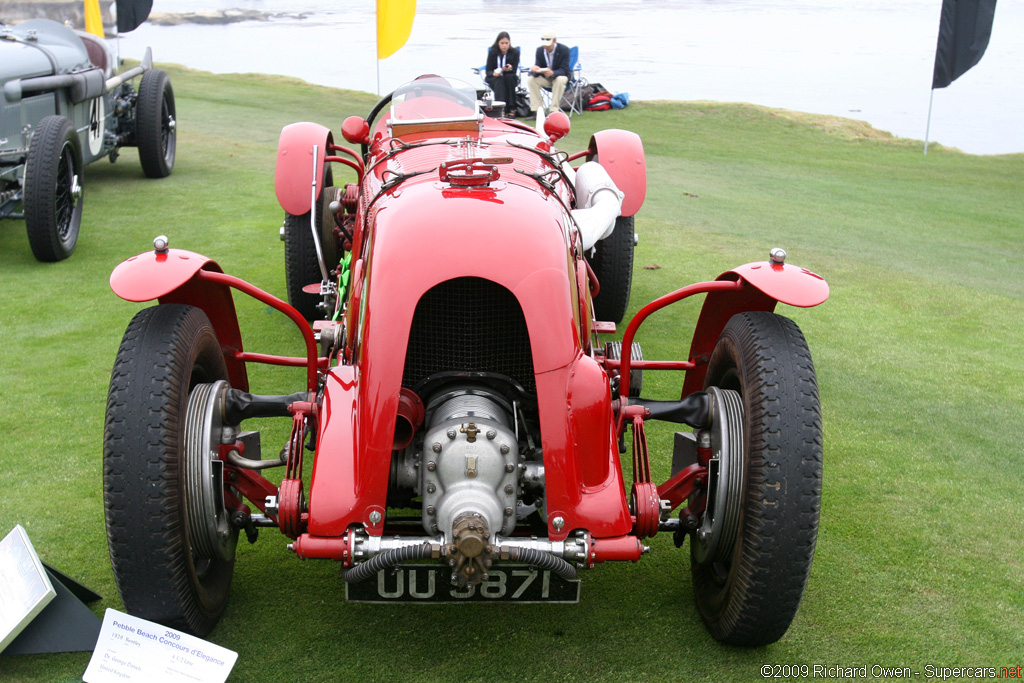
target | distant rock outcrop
x=73, y=13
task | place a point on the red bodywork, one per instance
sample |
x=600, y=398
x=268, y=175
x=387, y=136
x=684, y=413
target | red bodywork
x=422, y=219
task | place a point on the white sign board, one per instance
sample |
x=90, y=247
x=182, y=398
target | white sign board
x=25, y=588
x=133, y=650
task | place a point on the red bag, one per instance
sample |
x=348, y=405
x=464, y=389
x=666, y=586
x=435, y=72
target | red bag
x=600, y=101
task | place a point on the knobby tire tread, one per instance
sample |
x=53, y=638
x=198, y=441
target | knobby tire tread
x=41, y=169
x=149, y=134
x=142, y=469
x=613, y=265
x=301, y=267
x=778, y=527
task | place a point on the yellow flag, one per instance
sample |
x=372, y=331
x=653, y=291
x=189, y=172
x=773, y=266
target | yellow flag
x=93, y=22
x=394, y=24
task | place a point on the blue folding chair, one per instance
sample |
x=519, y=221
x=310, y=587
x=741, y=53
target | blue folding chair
x=573, y=89
x=481, y=71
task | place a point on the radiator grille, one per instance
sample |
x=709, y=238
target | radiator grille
x=472, y=325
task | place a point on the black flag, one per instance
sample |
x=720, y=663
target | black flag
x=131, y=13
x=964, y=30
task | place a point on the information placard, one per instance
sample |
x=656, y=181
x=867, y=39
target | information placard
x=133, y=650
x=25, y=589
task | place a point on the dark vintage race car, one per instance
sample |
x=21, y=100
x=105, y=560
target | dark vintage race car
x=64, y=107
x=463, y=423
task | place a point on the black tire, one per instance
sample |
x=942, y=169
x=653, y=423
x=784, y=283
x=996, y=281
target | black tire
x=53, y=189
x=301, y=266
x=166, y=351
x=752, y=598
x=613, y=265
x=156, y=124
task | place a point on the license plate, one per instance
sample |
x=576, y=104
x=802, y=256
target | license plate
x=432, y=583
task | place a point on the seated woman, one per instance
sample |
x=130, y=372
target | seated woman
x=503, y=71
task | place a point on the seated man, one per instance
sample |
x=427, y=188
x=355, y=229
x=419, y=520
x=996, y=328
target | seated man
x=550, y=70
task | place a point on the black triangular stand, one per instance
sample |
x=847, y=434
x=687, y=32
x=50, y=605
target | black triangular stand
x=86, y=595
x=65, y=625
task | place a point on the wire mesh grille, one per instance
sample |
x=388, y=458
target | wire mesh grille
x=469, y=324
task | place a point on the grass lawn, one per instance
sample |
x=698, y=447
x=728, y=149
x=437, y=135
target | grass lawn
x=918, y=353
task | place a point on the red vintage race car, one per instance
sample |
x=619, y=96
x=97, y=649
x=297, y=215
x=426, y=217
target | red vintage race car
x=466, y=424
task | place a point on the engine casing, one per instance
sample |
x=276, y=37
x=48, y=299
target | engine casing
x=470, y=464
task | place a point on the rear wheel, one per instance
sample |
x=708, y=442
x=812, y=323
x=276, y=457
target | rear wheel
x=749, y=579
x=301, y=266
x=172, y=553
x=53, y=189
x=156, y=125
x=613, y=265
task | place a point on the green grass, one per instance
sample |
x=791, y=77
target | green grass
x=918, y=354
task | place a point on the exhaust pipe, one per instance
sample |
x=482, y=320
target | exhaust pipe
x=599, y=202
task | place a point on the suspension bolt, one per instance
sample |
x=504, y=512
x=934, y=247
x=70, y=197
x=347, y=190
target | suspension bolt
x=510, y=489
x=431, y=466
x=510, y=467
x=436, y=447
x=509, y=512
x=375, y=518
x=431, y=488
x=558, y=523
x=505, y=449
x=431, y=510
x=491, y=434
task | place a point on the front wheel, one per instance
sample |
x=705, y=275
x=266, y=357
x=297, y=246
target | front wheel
x=612, y=262
x=301, y=265
x=172, y=553
x=53, y=189
x=751, y=558
x=156, y=126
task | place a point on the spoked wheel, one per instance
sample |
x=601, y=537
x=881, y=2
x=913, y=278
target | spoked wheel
x=170, y=542
x=613, y=265
x=156, y=131
x=53, y=189
x=750, y=558
x=301, y=266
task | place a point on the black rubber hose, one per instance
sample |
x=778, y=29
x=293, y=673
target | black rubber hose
x=386, y=559
x=545, y=561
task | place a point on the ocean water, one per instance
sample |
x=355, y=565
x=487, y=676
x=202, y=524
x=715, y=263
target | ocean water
x=868, y=59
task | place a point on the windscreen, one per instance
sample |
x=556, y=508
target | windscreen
x=431, y=98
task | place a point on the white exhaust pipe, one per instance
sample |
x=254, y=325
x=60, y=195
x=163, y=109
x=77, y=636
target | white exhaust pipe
x=599, y=202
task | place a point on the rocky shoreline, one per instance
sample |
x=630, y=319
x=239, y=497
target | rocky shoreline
x=73, y=13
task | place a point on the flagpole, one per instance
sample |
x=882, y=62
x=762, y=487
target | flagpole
x=928, y=125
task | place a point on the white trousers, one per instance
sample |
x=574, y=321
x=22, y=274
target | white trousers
x=557, y=88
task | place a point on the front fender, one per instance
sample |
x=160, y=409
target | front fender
x=293, y=176
x=152, y=274
x=170, y=277
x=786, y=283
x=621, y=153
x=767, y=284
